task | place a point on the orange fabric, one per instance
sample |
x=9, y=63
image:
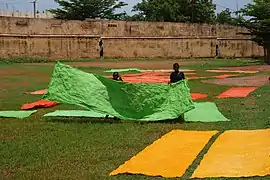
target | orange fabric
x=169, y=156
x=237, y=92
x=232, y=71
x=40, y=92
x=39, y=104
x=148, y=77
x=194, y=77
x=195, y=96
x=237, y=154
x=224, y=76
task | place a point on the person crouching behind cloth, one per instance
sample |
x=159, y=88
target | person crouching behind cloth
x=175, y=77
x=116, y=77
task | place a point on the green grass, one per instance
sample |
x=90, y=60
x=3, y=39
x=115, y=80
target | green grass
x=39, y=148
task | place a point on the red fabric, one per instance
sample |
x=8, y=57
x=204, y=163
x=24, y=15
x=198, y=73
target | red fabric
x=237, y=92
x=195, y=96
x=39, y=104
x=40, y=92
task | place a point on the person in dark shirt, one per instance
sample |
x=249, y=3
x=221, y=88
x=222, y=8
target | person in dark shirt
x=174, y=78
x=101, y=52
x=117, y=77
x=176, y=75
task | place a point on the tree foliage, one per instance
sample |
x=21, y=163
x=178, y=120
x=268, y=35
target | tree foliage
x=226, y=17
x=197, y=11
x=259, y=23
x=83, y=9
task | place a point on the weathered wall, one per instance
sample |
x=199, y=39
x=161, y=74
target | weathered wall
x=79, y=39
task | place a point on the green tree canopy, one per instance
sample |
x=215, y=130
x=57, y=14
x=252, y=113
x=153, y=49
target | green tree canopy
x=226, y=17
x=82, y=9
x=259, y=23
x=197, y=11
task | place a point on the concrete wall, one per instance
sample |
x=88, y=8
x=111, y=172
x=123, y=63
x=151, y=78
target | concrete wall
x=79, y=39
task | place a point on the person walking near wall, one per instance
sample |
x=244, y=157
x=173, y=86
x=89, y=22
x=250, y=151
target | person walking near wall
x=101, y=47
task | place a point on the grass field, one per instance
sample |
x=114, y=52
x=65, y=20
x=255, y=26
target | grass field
x=39, y=148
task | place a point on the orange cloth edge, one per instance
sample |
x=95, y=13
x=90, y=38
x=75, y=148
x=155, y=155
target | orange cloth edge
x=39, y=92
x=231, y=93
x=185, y=162
x=39, y=104
x=195, y=96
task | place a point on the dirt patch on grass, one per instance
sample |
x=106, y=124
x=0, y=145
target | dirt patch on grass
x=249, y=68
x=11, y=72
x=9, y=85
x=244, y=81
x=127, y=64
x=133, y=64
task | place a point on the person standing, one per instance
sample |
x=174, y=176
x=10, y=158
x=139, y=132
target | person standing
x=176, y=75
x=101, y=47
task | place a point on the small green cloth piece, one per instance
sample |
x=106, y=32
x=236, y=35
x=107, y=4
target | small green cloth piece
x=123, y=70
x=75, y=113
x=16, y=114
x=205, y=112
x=127, y=101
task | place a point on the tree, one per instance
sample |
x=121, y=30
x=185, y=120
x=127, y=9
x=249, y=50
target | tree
x=82, y=9
x=197, y=11
x=226, y=17
x=258, y=24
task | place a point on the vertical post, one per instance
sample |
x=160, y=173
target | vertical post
x=237, y=8
x=35, y=7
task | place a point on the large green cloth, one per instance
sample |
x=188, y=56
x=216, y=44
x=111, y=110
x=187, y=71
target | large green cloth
x=205, y=112
x=75, y=113
x=16, y=114
x=145, y=102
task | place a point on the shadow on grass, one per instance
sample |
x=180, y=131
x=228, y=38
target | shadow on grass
x=89, y=120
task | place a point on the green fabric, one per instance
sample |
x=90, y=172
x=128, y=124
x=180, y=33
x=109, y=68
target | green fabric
x=205, y=112
x=123, y=70
x=16, y=114
x=75, y=113
x=146, y=102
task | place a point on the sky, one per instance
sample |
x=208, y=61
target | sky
x=26, y=6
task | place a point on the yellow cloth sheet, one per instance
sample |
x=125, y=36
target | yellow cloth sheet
x=237, y=154
x=169, y=156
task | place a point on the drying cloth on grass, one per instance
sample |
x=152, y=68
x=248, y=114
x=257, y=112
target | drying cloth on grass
x=123, y=70
x=39, y=104
x=145, y=102
x=75, y=113
x=205, y=112
x=237, y=154
x=237, y=92
x=16, y=114
x=195, y=96
x=39, y=92
x=232, y=71
x=224, y=76
x=169, y=156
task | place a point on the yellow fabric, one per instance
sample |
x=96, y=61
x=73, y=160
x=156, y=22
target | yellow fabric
x=169, y=156
x=237, y=154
